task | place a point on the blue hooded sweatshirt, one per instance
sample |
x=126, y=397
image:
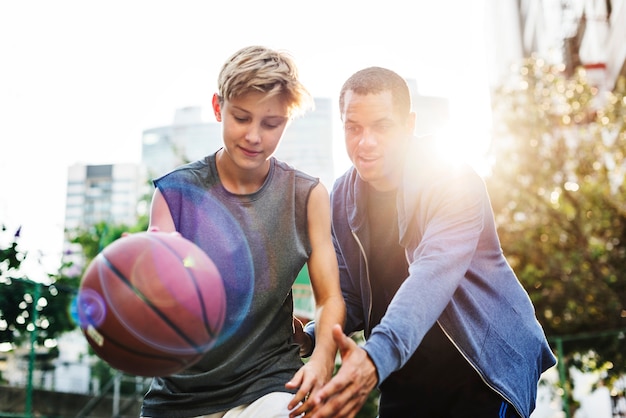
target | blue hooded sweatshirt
x=458, y=277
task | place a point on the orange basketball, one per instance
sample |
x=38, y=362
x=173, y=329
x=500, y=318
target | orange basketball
x=151, y=304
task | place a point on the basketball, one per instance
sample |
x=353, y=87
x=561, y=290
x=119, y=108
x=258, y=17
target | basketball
x=151, y=304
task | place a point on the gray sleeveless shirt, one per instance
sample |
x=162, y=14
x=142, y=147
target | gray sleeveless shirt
x=259, y=242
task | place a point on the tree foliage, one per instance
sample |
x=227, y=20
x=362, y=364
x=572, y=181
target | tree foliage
x=92, y=240
x=56, y=294
x=21, y=298
x=558, y=190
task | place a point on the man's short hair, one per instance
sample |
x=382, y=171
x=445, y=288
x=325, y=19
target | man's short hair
x=375, y=80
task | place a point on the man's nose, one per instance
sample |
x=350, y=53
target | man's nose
x=368, y=139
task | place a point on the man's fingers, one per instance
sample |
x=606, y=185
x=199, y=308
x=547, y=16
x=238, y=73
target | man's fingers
x=334, y=387
x=348, y=410
x=340, y=405
x=342, y=341
x=341, y=397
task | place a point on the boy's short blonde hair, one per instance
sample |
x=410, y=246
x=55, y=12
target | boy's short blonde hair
x=257, y=68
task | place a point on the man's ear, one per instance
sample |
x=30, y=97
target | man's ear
x=217, y=108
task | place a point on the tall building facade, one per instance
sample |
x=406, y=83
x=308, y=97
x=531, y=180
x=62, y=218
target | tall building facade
x=107, y=192
x=100, y=193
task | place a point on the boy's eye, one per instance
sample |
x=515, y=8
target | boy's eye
x=274, y=122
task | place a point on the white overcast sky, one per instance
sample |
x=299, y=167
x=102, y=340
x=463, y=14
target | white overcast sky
x=80, y=80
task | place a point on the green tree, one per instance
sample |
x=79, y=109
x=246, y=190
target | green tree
x=557, y=188
x=17, y=298
x=92, y=240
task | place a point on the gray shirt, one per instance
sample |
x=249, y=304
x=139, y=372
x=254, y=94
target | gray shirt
x=259, y=242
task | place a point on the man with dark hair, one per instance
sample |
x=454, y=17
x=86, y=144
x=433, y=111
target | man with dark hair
x=450, y=331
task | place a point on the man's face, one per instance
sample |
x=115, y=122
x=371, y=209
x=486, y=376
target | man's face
x=376, y=137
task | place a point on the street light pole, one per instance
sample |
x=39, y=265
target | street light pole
x=33, y=340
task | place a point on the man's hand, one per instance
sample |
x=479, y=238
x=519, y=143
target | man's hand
x=346, y=393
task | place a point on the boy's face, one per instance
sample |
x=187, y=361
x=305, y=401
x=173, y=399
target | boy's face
x=376, y=137
x=253, y=126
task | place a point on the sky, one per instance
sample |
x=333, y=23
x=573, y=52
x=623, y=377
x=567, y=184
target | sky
x=80, y=80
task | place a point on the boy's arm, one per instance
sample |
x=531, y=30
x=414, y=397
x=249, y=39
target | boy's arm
x=160, y=215
x=330, y=306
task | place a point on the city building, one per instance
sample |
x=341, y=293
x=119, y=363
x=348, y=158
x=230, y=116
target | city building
x=100, y=193
x=97, y=193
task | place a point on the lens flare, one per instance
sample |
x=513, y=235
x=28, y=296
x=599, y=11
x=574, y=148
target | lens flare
x=216, y=228
x=90, y=308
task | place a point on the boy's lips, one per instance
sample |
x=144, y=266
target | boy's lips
x=249, y=152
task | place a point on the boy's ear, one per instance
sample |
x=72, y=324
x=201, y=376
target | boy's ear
x=217, y=110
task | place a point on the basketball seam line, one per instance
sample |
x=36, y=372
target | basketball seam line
x=149, y=303
x=207, y=324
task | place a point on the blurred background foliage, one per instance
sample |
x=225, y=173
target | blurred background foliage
x=557, y=188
